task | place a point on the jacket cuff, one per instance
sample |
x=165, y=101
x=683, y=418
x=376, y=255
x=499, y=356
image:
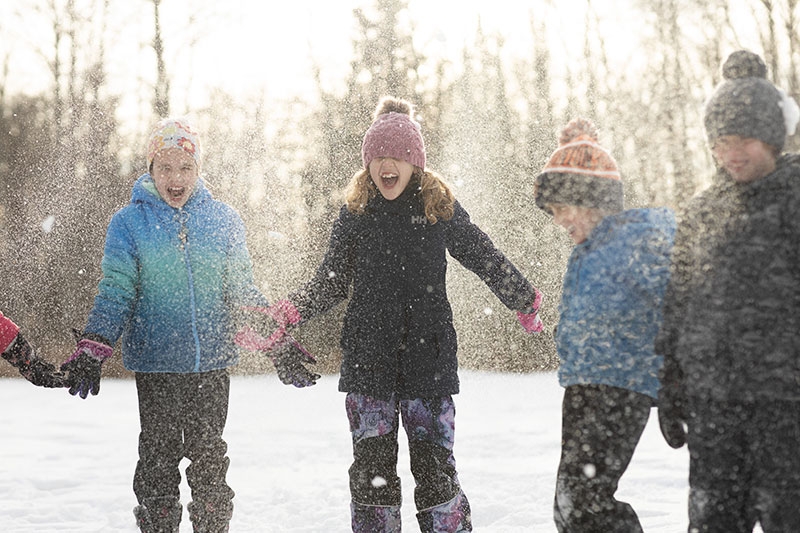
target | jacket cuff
x=8, y=332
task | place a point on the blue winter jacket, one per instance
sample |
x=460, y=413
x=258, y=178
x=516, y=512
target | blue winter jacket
x=173, y=281
x=611, y=302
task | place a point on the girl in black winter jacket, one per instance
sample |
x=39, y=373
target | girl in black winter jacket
x=398, y=344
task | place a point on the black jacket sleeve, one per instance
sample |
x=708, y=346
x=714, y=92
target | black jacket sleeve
x=675, y=298
x=331, y=282
x=467, y=243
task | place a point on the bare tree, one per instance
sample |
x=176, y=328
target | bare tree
x=161, y=94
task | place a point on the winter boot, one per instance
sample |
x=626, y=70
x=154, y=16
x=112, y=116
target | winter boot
x=158, y=515
x=210, y=514
x=374, y=518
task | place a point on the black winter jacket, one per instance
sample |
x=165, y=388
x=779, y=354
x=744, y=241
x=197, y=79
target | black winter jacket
x=731, y=329
x=398, y=334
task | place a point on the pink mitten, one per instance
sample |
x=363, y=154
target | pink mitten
x=530, y=321
x=250, y=339
x=267, y=326
x=284, y=313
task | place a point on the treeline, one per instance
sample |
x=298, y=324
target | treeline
x=489, y=124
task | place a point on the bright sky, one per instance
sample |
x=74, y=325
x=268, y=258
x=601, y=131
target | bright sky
x=245, y=46
x=250, y=47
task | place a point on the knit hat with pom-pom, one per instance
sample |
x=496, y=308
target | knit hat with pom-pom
x=746, y=104
x=580, y=172
x=394, y=134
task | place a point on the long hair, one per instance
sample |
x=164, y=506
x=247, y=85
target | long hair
x=437, y=198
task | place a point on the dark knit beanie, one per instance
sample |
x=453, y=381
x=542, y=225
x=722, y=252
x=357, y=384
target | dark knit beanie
x=580, y=172
x=394, y=134
x=746, y=104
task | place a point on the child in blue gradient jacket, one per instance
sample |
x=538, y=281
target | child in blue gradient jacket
x=610, y=313
x=176, y=271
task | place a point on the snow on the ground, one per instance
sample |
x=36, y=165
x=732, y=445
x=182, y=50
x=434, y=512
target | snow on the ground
x=67, y=464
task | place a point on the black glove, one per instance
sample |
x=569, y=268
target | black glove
x=34, y=369
x=288, y=358
x=672, y=413
x=84, y=367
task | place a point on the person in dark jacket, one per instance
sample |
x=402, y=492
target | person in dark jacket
x=176, y=272
x=389, y=245
x=731, y=332
x=609, y=315
x=18, y=352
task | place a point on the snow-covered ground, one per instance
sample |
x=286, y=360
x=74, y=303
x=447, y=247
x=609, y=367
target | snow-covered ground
x=67, y=464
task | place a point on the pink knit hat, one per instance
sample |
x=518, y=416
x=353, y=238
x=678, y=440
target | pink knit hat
x=394, y=135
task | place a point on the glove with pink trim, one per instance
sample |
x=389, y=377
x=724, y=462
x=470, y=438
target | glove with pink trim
x=286, y=353
x=289, y=359
x=268, y=323
x=84, y=366
x=33, y=368
x=530, y=317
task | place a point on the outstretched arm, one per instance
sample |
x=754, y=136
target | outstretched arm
x=332, y=280
x=19, y=353
x=467, y=243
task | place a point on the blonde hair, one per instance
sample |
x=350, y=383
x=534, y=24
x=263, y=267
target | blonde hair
x=437, y=198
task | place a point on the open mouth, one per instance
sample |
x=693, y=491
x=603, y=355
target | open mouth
x=175, y=193
x=388, y=179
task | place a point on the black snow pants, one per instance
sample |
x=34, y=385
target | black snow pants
x=744, y=466
x=601, y=426
x=183, y=415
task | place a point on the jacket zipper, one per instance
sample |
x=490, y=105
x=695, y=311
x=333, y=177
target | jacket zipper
x=184, y=238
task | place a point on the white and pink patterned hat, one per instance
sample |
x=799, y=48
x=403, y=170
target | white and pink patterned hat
x=173, y=133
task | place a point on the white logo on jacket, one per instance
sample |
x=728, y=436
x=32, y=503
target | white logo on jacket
x=418, y=219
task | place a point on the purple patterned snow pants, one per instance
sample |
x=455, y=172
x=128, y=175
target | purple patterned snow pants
x=442, y=507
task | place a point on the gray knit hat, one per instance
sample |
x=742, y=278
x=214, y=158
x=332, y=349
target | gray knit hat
x=746, y=103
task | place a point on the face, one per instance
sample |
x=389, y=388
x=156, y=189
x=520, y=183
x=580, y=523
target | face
x=175, y=175
x=391, y=176
x=745, y=159
x=578, y=221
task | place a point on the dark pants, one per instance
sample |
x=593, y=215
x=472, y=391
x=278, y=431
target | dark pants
x=182, y=415
x=601, y=426
x=374, y=484
x=744, y=466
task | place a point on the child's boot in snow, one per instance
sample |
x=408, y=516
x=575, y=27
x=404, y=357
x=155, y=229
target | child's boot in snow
x=158, y=515
x=374, y=518
x=211, y=514
x=450, y=517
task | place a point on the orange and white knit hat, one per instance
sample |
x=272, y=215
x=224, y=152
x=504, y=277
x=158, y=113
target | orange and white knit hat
x=580, y=172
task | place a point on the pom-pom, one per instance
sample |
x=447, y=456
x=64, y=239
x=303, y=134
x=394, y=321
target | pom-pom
x=390, y=104
x=576, y=128
x=744, y=64
x=791, y=112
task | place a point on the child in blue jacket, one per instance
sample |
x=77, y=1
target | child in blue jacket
x=610, y=313
x=387, y=253
x=176, y=271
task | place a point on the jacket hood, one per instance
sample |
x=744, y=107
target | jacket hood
x=633, y=219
